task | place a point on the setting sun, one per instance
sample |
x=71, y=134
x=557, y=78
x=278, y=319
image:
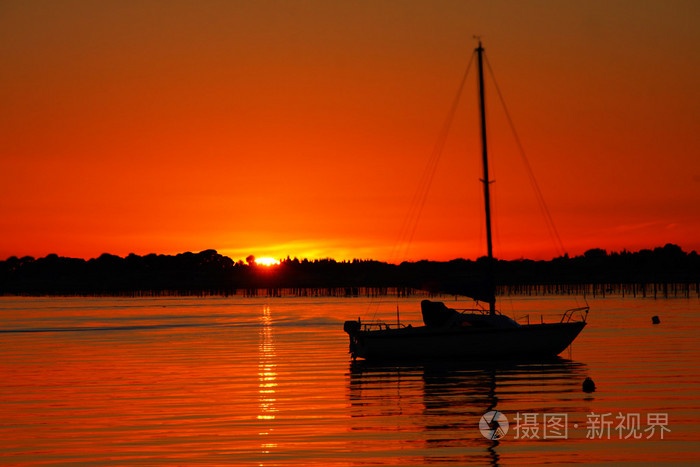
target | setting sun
x=266, y=261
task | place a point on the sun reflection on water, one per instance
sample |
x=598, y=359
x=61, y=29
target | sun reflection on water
x=267, y=379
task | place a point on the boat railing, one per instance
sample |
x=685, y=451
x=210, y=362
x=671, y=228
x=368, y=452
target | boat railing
x=525, y=318
x=568, y=314
x=379, y=325
x=567, y=317
x=478, y=311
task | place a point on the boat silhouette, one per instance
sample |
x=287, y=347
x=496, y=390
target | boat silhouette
x=467, y=333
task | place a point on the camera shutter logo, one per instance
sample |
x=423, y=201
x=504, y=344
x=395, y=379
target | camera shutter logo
x=493, y=425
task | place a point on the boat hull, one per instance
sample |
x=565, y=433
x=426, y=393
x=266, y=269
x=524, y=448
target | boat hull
x=526, y=341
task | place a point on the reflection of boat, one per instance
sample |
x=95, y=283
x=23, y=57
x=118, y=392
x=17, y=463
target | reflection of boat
x=451, y=333
x=469, y=388
x=438, y=403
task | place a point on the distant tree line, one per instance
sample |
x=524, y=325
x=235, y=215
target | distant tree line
x=209, y=272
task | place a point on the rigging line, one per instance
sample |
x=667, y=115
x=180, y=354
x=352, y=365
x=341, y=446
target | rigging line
x=421, y=195
x=549, y=221
x=410, y=223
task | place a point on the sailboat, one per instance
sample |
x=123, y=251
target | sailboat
x=477, y=334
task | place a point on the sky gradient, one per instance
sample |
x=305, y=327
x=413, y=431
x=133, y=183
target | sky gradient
x=302, y=128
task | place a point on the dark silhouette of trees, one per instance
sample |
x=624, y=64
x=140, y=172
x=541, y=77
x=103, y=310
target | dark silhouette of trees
x=209, y=272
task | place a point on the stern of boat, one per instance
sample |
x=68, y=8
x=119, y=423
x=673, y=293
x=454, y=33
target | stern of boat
x=352, y=328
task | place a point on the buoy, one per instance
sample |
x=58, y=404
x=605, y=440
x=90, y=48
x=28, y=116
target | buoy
x=655, y=319
x=588, y=385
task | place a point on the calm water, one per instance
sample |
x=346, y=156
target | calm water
x=268, y=381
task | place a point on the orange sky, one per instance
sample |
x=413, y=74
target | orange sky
x=295, y=128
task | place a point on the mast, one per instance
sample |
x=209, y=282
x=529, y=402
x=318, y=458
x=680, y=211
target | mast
x=485, y=180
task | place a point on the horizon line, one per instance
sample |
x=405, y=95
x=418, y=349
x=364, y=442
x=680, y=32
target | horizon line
x=328, y=258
